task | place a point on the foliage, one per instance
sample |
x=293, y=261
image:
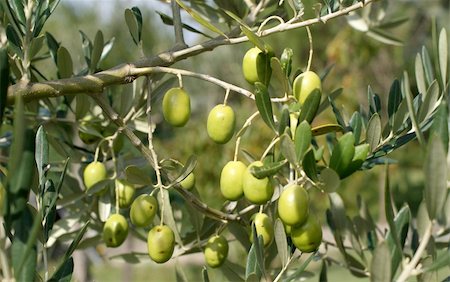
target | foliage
x=53, y=128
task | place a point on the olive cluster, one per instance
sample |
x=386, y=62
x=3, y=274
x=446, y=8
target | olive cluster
x=236, y=179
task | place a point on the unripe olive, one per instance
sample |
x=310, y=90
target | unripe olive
x=264, y=228
x=256, y=66
x=125, y=192
x=231, y=179
x=221, y=123
x=176, y=107
x=257, y=191
x=94, y=173
x=305, y=84
x=143, y=210
x=115, y=230
x=308, y=236
x=188, y=182
x=160, y=243
x=216, y=251
x=293, y=205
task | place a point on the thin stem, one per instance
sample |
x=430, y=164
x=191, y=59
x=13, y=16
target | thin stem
x=283, y=269
x=227, y=93
x=247, y=123
x=26, y=43
x=45, y=260
x=407, y=270
x=3, y=257
x=311, y=51
x=155, y=165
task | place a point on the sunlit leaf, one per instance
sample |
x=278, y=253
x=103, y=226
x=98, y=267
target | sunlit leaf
x=440, y=124
x=373, y=135
x=288, y=149
x=64, y=63
x=281, y=242
x=97, y=50
x=342, y=154
x=264, y=104
x=268, y=169
x=310, y=106
x=380, y=270
x=309, y=165
x=435, y=170
x=443, y=55
x=326, y=128
x=303, y=137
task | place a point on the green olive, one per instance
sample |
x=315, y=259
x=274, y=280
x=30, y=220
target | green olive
x=256, y=66
x=143, y=210
x=293, y=205
x=308, y=236
x=115, y=230
x=176, y=107
x=160, y=243
x=216, y=251
x=221, y=123
x=125, y=191
x=257, y=191
x=189, y=182
x=94, y=173
x=305, y=84
x=231, y=180
x=264, y=228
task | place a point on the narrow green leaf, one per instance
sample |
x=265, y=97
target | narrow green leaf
x=443, y=55
x=323, y=272
x=76, y=240
x=286, y=61
x=430, y=102
x=264, y=104
x=380, y=270
x=338, y=210
x=23, y=248
x=281, y=242
x=427, y=65
x=4, y=80
x=435, y=170
x=395, y=97
x=422, y=219
x=420, y=76
x=309, y=165
x=169, y=21
x=373, y=134
x=138, y=15
x=326, y=128
x=361, y=152
x=329, y=180
x=252, y=37
x=198, y=18
x=137, y=176
x=356, y=123
x=343, y=153
x=283, y=122
x=64, y=63
x=389, y=210
x=303, y=137
x=64, y=272
x=401, y=222
x=14, y=41
x=133, y=26
x=383, y=37
x=268, y=169
x=97, y=50
x=440, y=124
x=279, y=74
x=337, y=112
x=310, y=106
x=326, y=102
x=187, y=169
x=374, y=101
x=36, y=45
x=164, y=201
x=41, y=153
x=287, y=148
x=412, y=113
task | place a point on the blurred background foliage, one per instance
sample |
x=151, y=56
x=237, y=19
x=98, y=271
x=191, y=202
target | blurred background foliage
x=356, y=60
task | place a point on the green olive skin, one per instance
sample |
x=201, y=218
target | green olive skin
x=231, y=180
x=160, y=243
x=307, y=237
x=94, y=173
x=176, y=107
x=143, y=210
x=126, y=193
x=293, y=205
x=254, y=66
x=256, y=191
x=264, y=228
x=216, y=251
x=221, y=124
x=189, y=182
x=115, y=230
x=305, y=84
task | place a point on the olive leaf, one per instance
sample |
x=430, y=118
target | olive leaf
x=342, y=154
x=264, y=104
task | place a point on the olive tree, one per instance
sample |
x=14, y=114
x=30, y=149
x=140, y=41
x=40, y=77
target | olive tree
x=80, y=163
